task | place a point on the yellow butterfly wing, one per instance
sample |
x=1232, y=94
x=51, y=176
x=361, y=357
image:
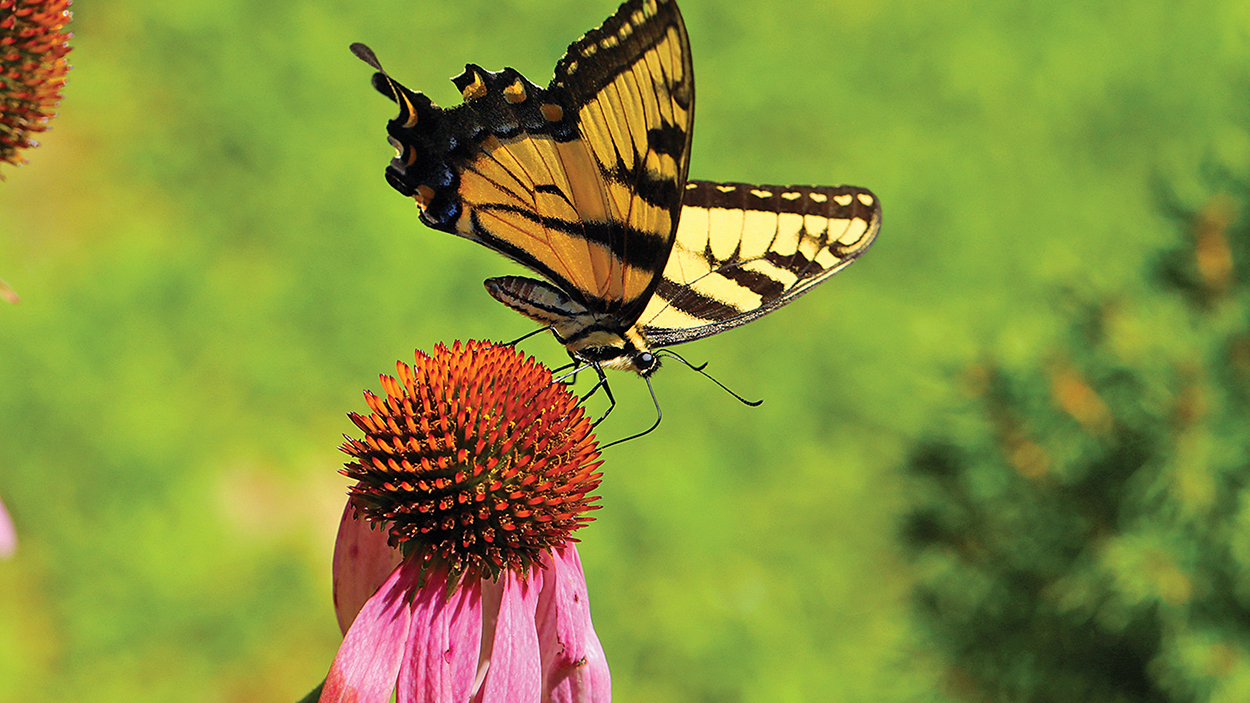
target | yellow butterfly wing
x=581, y=181
x=744, y=250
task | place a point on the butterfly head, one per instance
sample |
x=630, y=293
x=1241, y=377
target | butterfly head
x=611, y=350
x=642, y=362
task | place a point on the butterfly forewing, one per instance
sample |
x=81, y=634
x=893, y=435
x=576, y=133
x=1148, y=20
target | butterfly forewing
x=632, y=83
x=580, y=181
x=744, y=250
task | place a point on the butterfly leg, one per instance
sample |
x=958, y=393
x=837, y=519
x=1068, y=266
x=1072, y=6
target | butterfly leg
x=571, y=378
x=603, y=383
x=526, y=336
x=659, y=415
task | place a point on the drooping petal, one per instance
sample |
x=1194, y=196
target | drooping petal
x=366, y=666
x=443, y=643
x=514, y=672
x=575, y=669
x=362, y=562
x=8, y=535
x=492, y=596
x=466, y=627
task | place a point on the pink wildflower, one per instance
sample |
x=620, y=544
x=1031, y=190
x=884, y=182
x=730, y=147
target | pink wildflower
x=8, y=536
x=474, y=470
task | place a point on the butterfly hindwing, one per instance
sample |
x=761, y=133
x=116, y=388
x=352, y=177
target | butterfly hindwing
x=744, y=250
x=580, y=181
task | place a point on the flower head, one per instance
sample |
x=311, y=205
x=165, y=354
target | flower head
x=474, y=469
x=33, y=45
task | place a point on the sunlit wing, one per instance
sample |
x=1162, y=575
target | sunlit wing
x=580, y=181
x=745, y=250
x=584, y=182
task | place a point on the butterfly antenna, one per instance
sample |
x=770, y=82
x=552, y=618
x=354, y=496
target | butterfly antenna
x=699, y=369
x=659, y=415
x=679, y=357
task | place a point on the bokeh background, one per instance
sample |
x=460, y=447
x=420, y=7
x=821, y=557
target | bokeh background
x=212, y=268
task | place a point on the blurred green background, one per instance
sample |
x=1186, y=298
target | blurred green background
x=212, y=268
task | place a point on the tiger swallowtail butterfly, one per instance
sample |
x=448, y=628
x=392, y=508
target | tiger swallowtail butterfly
x=584, y=182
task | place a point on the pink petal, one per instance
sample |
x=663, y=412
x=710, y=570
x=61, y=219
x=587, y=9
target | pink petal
x=492, y=596
x=514, y=673
x=362, y=561
x=365, y=668
x=443, y=643
x=466, y=626
x=575, y=669
x=8, y=535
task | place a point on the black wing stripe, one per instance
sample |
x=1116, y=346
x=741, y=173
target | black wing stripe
x=762, y=285
x=695, y=304
x=641, y=245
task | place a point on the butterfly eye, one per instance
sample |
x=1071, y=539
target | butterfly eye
x=645, y=361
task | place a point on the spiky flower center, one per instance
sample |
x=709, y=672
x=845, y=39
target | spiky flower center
x=475, y=457
x=33, y=46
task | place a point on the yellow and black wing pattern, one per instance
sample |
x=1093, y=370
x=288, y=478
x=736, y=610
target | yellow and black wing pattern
x=580, y=181
x=744, y=250
x=584, y=182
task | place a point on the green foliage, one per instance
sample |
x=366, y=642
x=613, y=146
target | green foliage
x=1084, y=536
x=212, y=267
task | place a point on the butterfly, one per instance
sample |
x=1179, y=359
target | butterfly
x=584, y=182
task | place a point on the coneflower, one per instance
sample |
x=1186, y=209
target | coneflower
x=455, y=573
x=33, y=46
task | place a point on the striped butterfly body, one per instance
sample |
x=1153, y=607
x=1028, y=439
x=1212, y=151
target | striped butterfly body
x=584, y=182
